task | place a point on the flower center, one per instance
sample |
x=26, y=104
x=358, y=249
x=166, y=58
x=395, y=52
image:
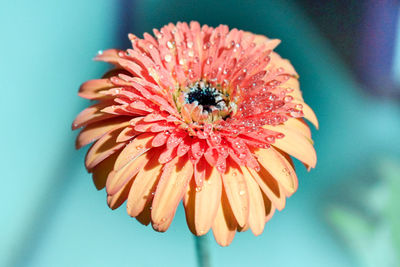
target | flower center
x=206, y=96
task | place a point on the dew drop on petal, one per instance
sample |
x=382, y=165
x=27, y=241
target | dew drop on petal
x=168, y=58
x=288, y=98
x=299, y=106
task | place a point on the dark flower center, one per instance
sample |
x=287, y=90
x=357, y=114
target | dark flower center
x=206, y=96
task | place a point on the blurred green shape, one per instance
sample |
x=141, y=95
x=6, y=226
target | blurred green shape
x=390, y=171
x=371, y=231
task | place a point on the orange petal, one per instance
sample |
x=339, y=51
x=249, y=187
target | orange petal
x=295, y=145
x=310, y=115
x=109, y=56
x=143, y=187
x=278, y=62
x=299, y=126
x=278, y=167
x=308, y=112
x=269, y=207
x=207, y=201
x=269, y=186
x=92, y=114
x=103, y=148
x=224, y=226
x=126, y=134
x=101, y=171
x=236, y=191
x=170, y=190
x=145, y=216
x=293, y=83
x=189, y=205
x=91, y=89
x=96, y=130
x=118, y=198
x=118, y=178
x=256, y=204
x=261, y=39
x=140, y=145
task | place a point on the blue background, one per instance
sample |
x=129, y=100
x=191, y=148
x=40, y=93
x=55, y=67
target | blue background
x=52, y=215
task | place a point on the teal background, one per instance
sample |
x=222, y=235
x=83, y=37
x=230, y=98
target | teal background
x=52, y=215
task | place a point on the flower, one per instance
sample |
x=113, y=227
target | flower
x=206, y=116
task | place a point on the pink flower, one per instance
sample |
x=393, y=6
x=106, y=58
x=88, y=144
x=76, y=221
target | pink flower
x=205, y=115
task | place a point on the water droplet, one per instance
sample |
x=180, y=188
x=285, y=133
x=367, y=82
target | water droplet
x=198, y=188
x=191, y=53
x=170, y=44
x=242, y=192
x=242, y=155
x=190, y=44
x=206, y=46
x=288, y=98
x=100, y=52
x=286, y=171
x=168, y=58
x=163, y=219
x=299, y=106
x=270, y=139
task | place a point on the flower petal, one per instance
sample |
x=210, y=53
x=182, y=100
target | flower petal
x=295, y=145
x=126, y=134
x=189, y=205
x=91, y=89
x=299, y=126
x=96, y=130
x=207, y=200
x=91, y=114
x=109, y=56
x=141, y=144
x=103, y=148
x=116, y=200
x=269, y=207
x=118, y=178
x=101, y=171
x=224, y=226
x=170, y=190
x=145, y=216
x=310, y=115
x=269, y=186
x=279, y=168
x=256, y=204
x=236, y=191
x=143, y=187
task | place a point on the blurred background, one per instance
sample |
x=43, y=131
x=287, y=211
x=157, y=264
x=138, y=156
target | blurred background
x=345, y=212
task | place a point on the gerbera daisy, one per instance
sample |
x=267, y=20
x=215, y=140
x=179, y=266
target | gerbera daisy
x=205, y=115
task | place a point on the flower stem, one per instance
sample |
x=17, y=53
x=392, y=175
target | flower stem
x=203, y=256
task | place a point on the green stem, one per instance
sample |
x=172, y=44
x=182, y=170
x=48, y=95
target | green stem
x=203, y=256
